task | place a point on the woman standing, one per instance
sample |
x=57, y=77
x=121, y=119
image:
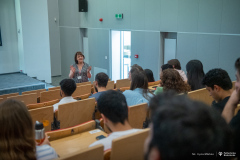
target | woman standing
x=80, y=71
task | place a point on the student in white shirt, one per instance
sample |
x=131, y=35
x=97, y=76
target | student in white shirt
x=114, y=110
x=68, y=86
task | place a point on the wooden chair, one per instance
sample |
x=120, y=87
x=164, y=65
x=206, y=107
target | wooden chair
x=49, y=96
x=82, y=89
x=44, y=104
x=43, y=114
x=236, y=110
x=74, y=113
x=61, y=133
x=83, y=84
x=34, y=91
x=92, y=153
x=54, y=88
x=124, y=88
x=1, y=100
x=122, y=83
x=27, y=98
x=107, y=154
x=137, y=115
x=151, y=84
x=129, y=146
x=85, y=96
x=4, y=96
x=201, y=95
x=157, y=82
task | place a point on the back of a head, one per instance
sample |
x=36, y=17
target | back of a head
x=175, y=63
x=217, y=77
x=68, y=86
x=112, y=104
x=171, y=80
x=149, y=75
x=195, y=74
x=17, y=134
x=166, y=66
x=139, y=80
x=136, y=66
x=182, y=127
x=102, y=79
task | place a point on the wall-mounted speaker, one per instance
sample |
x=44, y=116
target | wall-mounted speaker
x=83, y=5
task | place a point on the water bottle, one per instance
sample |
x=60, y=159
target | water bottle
x=39, y=133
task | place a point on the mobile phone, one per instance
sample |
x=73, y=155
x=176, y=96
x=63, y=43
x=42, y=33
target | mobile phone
x=100, y=137
x=154, y=86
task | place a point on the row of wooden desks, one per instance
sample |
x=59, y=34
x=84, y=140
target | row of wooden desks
x=71, y=144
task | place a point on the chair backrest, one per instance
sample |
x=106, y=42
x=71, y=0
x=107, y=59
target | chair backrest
x=44, y=104
x=129, y=146
x=92, y=153
x=61, y=133
x=43, y=114
x=201, y=95
x=151, y=84
x=83, y=83
x=74, y=113
x=124, y=88
x=26, y=98
x=122, y=83
x=82, y=89
x=50, y=95
x=54, y=88
x=1, y=100
x=4, y=96
x=236, y=110
x=233, y=84
x=137, y=115
x=110, y=85
x=85, y=96
x=34, y=91
x=157, y=82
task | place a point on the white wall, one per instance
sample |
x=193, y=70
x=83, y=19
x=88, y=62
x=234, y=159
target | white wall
x=36, y=45
x=9, y=59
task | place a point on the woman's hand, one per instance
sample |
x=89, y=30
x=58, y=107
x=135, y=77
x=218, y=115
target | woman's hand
x=72, y=69
x=89, y=69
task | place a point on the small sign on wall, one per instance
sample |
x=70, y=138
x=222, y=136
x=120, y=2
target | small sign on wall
x=0, y=38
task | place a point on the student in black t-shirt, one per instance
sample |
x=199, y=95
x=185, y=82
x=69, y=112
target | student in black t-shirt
x=219, y=85
x=233, y=102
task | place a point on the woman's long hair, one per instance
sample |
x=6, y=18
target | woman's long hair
x=139, y=80
x=16, y=133
x=171, y=80
x=195, y=74
x=149, y=75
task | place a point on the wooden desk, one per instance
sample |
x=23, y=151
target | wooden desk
x=71, y=144
x=151, y=88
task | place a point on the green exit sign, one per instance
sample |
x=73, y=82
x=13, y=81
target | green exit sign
x=119, y=16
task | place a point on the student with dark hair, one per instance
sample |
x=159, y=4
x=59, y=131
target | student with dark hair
x=149, y=75
x=68, y=86
x=219, y=85
x=101, y=81
x=229, y=109
x=164, y=67
x=183, y=129
x=134, y=68
x=114, y=111
x=138, y=92
x=17, y=137
x=177, y=66
x=195, y=74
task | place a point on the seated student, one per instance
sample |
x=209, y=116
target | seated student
x=228, y=112
x=177, y=66
x=17, y=137
x=183, y=129
x=149, y=75
x=114, y=111
x=101, y=80
x=195, y=74
x=219, y=85
x=68, y=86
x=138, y=92
x=171, y=80
x=134, y=68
